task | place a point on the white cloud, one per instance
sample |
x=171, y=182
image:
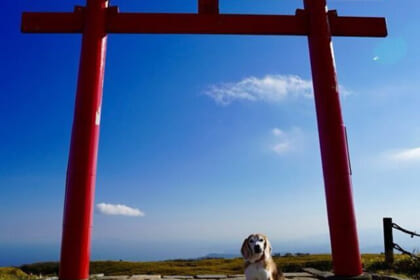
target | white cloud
x=344, y=91
x=277, y=131
x=376, y=58
x=282, y=147
x=286, y=141
x=405, y=155
x=270, y=89
x=118, y=209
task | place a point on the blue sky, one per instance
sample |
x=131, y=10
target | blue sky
x=210, y=138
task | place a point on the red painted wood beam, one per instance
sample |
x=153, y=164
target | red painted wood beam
x=81, y=168
x=208, y=6
x=357, y=26
x=33, y=22
x=206, y=24
x=162, y=23
x=333, y=144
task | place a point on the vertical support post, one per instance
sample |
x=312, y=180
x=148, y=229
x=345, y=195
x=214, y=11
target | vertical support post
x=388, y=241
x=335, y=161
x=208, y=7
x=81, y=169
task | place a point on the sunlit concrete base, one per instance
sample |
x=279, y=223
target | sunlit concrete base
x=74, y=279
x=364, y=276
x=330, y=276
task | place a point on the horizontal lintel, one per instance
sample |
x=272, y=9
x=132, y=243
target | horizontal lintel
x=164, y=23
x=357, y=26
x=33, y=22
x=207, y=24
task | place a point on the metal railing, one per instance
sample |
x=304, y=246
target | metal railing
x=389, y=241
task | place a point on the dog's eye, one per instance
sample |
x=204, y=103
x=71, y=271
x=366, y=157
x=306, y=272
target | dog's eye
x=261, y=240
x=251, y=241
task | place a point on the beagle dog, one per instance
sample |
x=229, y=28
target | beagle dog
x=259, y=265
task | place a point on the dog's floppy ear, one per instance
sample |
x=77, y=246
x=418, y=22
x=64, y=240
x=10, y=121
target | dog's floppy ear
x=246, y=253
x=267, y=247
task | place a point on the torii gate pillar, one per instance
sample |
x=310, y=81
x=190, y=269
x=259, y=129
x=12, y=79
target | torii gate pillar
x=333, y=142
x=81, y=169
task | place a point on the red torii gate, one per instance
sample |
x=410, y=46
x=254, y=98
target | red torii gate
x=97, y=19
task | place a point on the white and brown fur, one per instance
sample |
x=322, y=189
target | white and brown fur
x=259, y=265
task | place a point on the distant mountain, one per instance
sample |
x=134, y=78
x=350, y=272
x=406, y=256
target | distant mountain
x=220, y=256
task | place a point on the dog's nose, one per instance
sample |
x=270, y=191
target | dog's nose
x=257, y=249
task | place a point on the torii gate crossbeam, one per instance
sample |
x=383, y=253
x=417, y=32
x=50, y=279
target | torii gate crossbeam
x=96, y=20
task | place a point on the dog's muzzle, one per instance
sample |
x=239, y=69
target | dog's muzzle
x=257, y=249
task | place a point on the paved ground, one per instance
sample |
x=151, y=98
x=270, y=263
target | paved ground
x=309, y=274
x=294, y=276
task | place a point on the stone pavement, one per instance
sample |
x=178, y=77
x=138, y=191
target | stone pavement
x=291, y=276
x=308, y=274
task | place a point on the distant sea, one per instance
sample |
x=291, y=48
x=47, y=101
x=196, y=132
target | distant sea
x=18, y=254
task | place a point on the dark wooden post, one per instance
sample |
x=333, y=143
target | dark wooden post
x=388, y=241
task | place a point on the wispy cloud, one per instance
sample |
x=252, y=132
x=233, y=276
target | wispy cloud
x=404, y=155
x=282, y=147
x=270, y=89
x=118, y=209
x=286, y=141
x=277, y=131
